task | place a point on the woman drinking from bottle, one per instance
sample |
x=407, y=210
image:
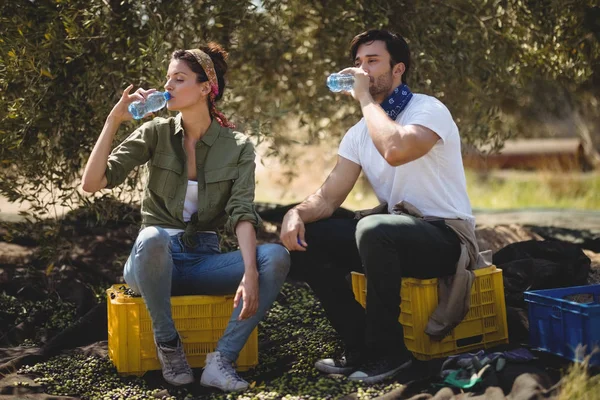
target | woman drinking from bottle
x=200, y=176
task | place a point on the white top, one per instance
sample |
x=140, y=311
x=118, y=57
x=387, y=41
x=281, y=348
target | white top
x=190, y=205
x=434, y=183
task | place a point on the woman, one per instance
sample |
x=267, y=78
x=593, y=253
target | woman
x=200, y=175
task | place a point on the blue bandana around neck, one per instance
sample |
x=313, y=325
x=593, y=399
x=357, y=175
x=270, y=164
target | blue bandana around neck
x=397, y=101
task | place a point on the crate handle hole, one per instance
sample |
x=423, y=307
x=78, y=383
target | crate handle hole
x=469, y=340
x=581, y=298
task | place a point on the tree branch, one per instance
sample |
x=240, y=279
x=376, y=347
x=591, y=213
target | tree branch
x=469, y=14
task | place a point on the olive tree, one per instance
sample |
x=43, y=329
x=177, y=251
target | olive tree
x=501, y=66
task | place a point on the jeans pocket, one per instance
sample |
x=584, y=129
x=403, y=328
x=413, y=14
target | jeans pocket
x=176, y=244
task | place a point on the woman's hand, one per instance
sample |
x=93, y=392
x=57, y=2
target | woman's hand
x=120, y=113
x=248, y=292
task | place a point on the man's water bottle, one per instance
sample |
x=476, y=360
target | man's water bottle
x=338, y=82
x=154, y=102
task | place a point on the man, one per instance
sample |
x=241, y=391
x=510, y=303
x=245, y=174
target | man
x=409, y=148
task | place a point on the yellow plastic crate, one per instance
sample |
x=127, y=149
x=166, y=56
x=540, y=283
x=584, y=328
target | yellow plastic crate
x=200, y=321
x=483, y=327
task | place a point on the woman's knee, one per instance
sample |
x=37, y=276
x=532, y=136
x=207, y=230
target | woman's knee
x=152, y=249
x=153, y=237
x=273, y=260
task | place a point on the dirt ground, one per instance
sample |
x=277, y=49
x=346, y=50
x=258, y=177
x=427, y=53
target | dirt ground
x=495, y=229
x=93, y=255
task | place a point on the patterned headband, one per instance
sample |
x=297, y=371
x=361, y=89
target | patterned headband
x=209, y=69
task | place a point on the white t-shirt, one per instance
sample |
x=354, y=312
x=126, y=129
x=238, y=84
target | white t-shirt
x=434, y=183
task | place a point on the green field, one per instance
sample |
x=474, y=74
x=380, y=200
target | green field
x=502, y=190
x=515, y=189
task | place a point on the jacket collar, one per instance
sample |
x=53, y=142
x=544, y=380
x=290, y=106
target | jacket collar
x=209, y=137
x=178, y=124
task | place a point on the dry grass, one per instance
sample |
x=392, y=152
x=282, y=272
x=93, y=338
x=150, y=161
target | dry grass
x=541, y=189
x=578, y=384
x=495, y=190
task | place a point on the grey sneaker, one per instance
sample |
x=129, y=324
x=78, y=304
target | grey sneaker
x=175, y=368
x=377, y=370
x=219, y=373
x=344, y=365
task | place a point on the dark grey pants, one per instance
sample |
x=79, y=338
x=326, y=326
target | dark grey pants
x=384, y=247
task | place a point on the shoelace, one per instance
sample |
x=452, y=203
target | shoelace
x=375, y=364
x=350, y=358
x=181, y=366
x=176, y=359
x=228, y=370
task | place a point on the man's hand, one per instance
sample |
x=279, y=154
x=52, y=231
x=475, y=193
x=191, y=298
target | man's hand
x=362, y=82
x=292, y=231
x=248, y=292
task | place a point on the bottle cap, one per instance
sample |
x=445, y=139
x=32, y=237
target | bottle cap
x=167, y=96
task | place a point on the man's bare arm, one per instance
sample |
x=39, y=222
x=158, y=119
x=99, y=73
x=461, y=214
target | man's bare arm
x=320, y=204
x=332, y=193
x=397, y=144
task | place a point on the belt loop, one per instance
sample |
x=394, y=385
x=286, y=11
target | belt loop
x=179, y=236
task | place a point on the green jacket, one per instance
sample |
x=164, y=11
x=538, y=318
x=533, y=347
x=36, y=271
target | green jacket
x=225, y=173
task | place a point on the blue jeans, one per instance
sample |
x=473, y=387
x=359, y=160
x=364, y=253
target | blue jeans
x=161, y=265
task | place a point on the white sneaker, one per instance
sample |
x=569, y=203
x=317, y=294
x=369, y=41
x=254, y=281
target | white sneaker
x=175, y=368
x=219, y=373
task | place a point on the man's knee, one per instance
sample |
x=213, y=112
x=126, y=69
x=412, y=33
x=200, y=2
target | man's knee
x=370, y=230
x=315, y=232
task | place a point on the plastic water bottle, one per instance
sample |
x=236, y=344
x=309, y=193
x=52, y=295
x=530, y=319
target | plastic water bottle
x=154, y=102
x=338, y=82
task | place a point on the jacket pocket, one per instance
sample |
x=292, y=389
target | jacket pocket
x=165, y=170
x=218, y=185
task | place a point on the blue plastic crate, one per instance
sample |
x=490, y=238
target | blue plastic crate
x=562, y=319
